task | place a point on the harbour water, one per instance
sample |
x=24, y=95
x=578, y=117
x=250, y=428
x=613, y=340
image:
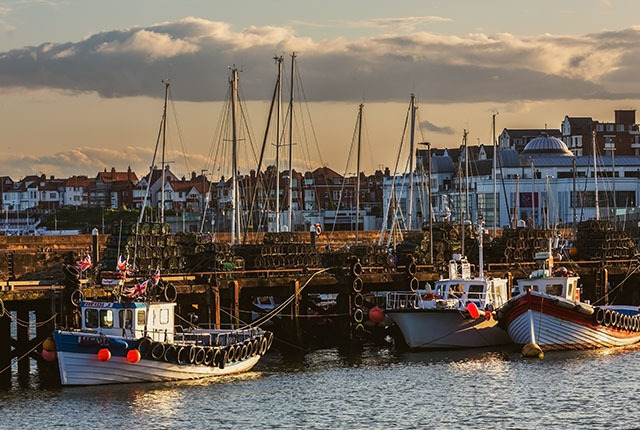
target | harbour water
x=374, y=388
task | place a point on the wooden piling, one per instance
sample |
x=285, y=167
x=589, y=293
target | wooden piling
x=5, y=352
x=23, y=339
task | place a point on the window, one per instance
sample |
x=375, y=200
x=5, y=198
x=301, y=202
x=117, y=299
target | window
x=554, y=290
x=142, y=317
x=91, y=318
x=609, y=127
x=125, y=318
x=106, y=318
x=475, y=292
x=164, y=316
x=619, y=127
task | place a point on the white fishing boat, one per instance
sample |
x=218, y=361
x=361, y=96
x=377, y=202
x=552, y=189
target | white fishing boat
x=139, y=342
x=456, y=313
x=546, y=313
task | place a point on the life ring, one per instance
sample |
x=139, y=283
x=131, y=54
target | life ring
x=358, y=315
x=183, y=355
x=318, y=230
x=357, y=285
x=238, y=354
x=599, y=316
x=263, y=345
x=244, y=352
x=76, y=298
x=192, y=354
x=201, y=354
x=169, y=293
x=209, y=356
x=216, y=357
x=170, y=354
x=231, y=353
x=157, y=352
x=144, y=346
x=269, y=340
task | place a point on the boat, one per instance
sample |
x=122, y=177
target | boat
x=137, y=341
x=457, y=313
x=546, y=313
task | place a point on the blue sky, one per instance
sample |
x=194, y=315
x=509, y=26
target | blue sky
x=70, y=70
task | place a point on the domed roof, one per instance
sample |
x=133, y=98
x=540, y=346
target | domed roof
x=546, y=145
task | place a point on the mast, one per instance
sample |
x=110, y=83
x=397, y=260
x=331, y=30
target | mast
x=466, y=177
x=517, y=203
x=595, y=172
x=613, y=182
x=235, y=215
x=547, y=217
x=430, y=206
x=533, y=201
x=164, y=142
x=411, y=146
x=574, y=197
x=278, y=115
x=358, y=169
x=290, y=213
x=495, y=186
x=480, y=250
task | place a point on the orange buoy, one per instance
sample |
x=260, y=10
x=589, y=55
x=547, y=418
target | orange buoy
x=104, y=354
x=49, y=345
x=376, y=314
x=133, y=356
x=573, y=252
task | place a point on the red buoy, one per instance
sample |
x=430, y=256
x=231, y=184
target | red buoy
x=133, y=356
x=48, y=355
x=487, y=314
x=376, y=314
x=473, y=310
x=104, y=354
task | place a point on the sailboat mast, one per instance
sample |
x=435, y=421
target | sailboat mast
x=466, y=176
x=290, y=213
x=533, y=200
x=430, y=205
x=516, y=208
x=411, y=150
x=164, y=142
x=278, y=116
x=358, y=169
x=235, y=215
x=595, y=172
x=495, y=186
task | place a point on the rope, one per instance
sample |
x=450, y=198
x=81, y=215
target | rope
x=27, y=324
x=619, y=284
x=279, y=308
x=23, y=356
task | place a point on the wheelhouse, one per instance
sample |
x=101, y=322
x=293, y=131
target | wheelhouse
x=130, y=320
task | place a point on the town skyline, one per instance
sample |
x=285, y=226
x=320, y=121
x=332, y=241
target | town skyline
x=81, y=97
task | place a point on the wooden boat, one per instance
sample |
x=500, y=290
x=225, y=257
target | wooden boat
x=546, y=313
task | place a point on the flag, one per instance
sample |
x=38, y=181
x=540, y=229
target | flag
x=84, y=264
x=137, y=290
x=122, y=264
x=155, y=278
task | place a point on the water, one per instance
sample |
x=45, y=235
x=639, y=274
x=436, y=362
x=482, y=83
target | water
x=372, y=389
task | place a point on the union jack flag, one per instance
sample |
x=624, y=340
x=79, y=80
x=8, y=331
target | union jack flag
x=84, y=264
x=140, y=289
x=122, y=264
x=155, y=278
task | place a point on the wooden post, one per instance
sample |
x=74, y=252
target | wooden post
x=5, y=351
x=43, y=313
x=23, y=339
x=605, y=285
x=216, y=297
x=296, y=300
x=234, y=286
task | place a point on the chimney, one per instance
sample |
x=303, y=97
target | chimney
x=387, y=173
x=193, y=176
x=113, y=170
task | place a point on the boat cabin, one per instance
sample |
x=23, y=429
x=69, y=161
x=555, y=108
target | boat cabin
x=130, y=320
x=547, y=279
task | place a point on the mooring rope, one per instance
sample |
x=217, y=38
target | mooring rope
x=21, y=357
x=26, y=324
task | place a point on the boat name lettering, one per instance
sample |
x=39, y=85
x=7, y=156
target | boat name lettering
x=99, y=304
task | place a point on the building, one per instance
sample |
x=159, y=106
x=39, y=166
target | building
x=76, y=191
x=621, y=137
x=517, y=139
x=100, y=189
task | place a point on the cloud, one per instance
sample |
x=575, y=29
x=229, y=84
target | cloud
x=195, y=53
x=85, y=160
x=400, y=23
x=437, y=129
x=4, y=23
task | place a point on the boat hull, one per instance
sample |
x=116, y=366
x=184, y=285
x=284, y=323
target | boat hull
x=446, y=329
x=78, y=364
x=533, y=318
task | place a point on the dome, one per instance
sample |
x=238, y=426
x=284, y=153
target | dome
x=546, y=145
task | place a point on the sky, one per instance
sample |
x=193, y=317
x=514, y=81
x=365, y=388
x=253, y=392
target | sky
x=81, y=80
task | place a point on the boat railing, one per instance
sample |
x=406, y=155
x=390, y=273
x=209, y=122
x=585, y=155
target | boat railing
x=403, y=300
